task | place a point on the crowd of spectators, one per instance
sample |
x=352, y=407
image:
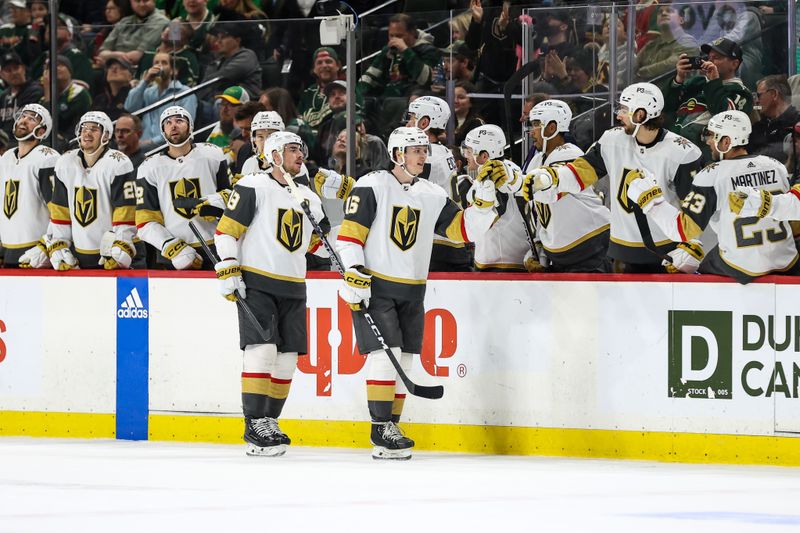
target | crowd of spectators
x=120, y=56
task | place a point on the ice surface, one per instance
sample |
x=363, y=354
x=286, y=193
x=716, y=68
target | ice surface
x=50, y=485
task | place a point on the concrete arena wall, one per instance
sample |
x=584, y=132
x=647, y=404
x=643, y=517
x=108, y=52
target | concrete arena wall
x=650, y=367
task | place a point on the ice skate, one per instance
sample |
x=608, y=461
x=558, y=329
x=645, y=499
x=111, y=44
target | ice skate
x=262, y=438
x=389, y=442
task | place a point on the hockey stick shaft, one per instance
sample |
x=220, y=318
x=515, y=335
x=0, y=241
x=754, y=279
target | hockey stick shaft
x=251, y=317
x=431, y=392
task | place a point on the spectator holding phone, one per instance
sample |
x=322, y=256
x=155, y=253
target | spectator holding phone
x=659, y=55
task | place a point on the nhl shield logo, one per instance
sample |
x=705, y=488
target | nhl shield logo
x=405, y=222
x=85, y=205
x=184, y=188
x=543, y=213
x=11, y=198
x=290, y=229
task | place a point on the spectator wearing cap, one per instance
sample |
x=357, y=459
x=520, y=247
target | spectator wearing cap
x=336, y=120
x=691, y=102
x=115, y=88
x=226, y=131
x=81, y=65
x=17, y=34
x=778, y=117
x=659, y=55
x=73, y=98
x=405, y=61
x=236, y=65
x=459, y=62
x=157, y=84
x=19, y=92
x=313, y=105
x=128, y=137
x=134, y=34
x=175, y=41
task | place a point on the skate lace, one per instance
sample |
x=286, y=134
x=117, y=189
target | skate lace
x=272, y=424
x=391, y=432
x=262, y=427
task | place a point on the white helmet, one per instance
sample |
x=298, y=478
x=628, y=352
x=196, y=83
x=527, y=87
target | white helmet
x=643, y=96
x=276, y=143
x=732, y=124
x=176, y=111
x=267, y=120
x=46, y=122
x=101, y=119
x=403, y=137
x=488, y=138
x=432, y=107
x=552, y=111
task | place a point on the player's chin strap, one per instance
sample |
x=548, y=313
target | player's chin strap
x=637, y=124
x=188, y=139
x=720, y=152
x=403, y=166
x=99, y=148
x=31, y=134
x=545, y=138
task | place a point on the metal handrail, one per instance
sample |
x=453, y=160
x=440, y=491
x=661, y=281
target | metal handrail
x=376, y=8
x=173, y=97
x=162, y=146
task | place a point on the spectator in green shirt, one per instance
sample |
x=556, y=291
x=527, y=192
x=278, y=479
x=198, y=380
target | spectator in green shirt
x=134, y=34
x=313, y=106
x=73, y=98
x=81, y=65
x=16, y=35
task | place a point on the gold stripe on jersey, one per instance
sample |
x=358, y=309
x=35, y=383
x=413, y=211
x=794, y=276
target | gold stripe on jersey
x=58, y=212
x=637, y=244
x=583, y=239
x=439, y=242
x=87, y=252
x=757, y=274
x=314, y=243
x=255, y=386
x=689, y=229
x=17, y=246
x=145, y=216
x=499, y=266
x=455, y=230
x=228, y=226
x=396, y=280
x=124, y=214
x=273, y=276
x=352, y=231
x=586, y=174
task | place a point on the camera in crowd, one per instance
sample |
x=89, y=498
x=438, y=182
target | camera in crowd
x=696, y=62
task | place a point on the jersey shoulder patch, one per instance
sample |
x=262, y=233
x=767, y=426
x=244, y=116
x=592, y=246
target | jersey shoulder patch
x=684, y=149
x=371, y=179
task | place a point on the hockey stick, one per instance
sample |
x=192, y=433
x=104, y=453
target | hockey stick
x=647, y=236
x=251, y=317
x=431, y=392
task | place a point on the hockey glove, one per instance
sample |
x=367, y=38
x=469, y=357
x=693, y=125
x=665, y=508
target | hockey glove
x=181, y=255
x=35, y=257
x=60, y=255
x=356, y=289
x=643, y=188
x=229, y=273
x=494, y=171
x=332, y=185
x=485, y=195
x=122, y=254
x=212, y=207
x=532, y=263
x=542, y=180
x=750, y=202
x=686, y=258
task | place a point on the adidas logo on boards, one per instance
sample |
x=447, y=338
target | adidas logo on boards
x=132, y=307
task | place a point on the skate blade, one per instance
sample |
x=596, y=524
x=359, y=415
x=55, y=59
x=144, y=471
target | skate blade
x=380, y=453
x=265, y=451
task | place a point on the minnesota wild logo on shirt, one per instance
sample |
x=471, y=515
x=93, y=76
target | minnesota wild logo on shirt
x=405, y=221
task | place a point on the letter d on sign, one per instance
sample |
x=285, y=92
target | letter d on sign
x=688, y=373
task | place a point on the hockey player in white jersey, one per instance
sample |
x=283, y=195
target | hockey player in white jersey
x=749, y=246
x=385, y=246
x=26, y=186
x=175, y=186
x=93, y=204
x=573, y=232
x=264, y=124
x=262, y=239
x=503, y=246
x=641, y=143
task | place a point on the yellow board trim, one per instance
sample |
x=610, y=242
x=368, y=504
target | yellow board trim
x=57, y=425
x=499, y=440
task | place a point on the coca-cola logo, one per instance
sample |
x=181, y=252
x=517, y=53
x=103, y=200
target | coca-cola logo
x=439, y=342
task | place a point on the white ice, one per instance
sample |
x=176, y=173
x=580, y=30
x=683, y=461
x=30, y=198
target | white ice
x=49, y=485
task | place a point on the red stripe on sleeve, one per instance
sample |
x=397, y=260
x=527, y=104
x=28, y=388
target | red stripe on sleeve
x=61, y=222
x=464, y=229
x=350, y=239
x=680, y=230
x=795, y=192
x=577, y=178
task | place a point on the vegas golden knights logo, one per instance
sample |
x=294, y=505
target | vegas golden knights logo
x=11, y=198
x=628, y=175
x=405, y=222
x=290, y=229
x=85, y=205
x=184, y=188
x=543, y=213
